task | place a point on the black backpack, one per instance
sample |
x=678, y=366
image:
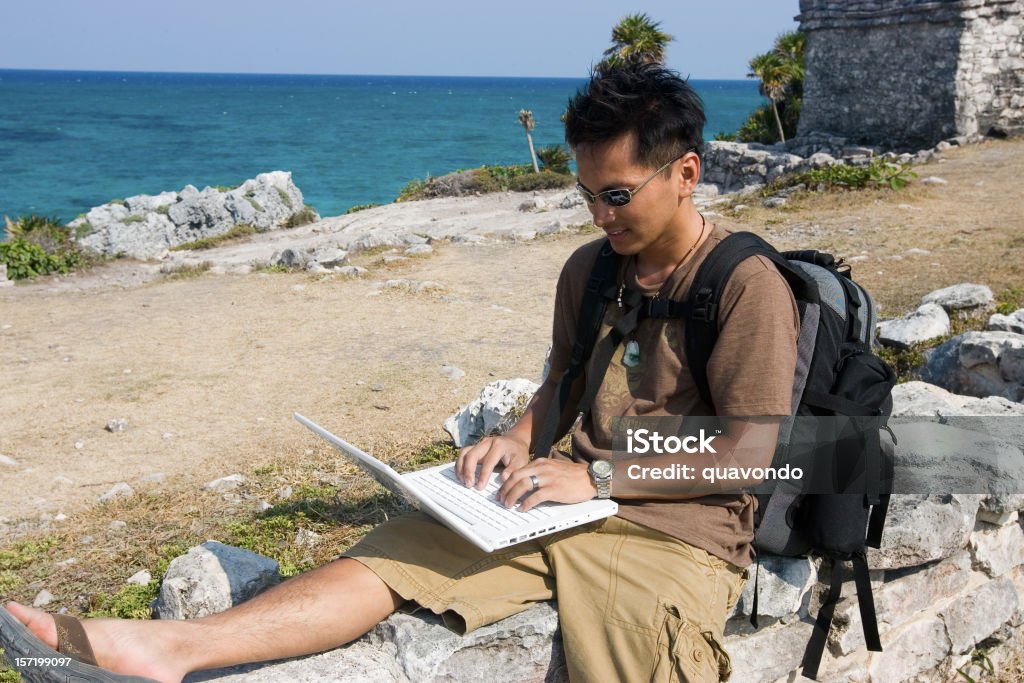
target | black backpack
x=841, y=400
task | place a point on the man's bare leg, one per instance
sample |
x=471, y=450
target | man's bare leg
x=313, y=612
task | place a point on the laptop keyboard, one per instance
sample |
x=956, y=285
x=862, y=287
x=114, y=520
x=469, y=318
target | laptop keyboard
x=479, y=505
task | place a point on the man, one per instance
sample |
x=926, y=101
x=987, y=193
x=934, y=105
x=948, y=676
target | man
x=642, y=595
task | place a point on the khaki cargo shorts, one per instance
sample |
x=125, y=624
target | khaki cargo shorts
x=634, y=604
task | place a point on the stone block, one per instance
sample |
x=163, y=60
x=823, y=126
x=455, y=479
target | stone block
x=917, y=647
x=768, y=653
x=998, y=550
x=899, y=601
x=782, y=584
x=979, y=613
x=923, y=528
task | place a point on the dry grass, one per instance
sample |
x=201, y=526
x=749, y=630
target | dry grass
x=972, y=227
x=87, y=560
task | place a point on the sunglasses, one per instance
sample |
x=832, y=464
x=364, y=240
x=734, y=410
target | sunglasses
x=620, y=196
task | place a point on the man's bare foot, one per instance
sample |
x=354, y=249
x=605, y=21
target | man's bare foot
x=124, y=646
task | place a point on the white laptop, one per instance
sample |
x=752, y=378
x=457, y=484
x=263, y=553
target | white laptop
x=474, y=514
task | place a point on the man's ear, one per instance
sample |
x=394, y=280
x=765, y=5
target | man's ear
x=689, y=174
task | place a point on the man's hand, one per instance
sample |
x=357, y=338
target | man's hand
x=488, y=453
x=557, y=480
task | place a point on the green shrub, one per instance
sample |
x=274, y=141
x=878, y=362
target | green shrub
x=545, y=180
x=255, y=204
x=360, y=207
x=186, y=271
x=555, y=159
x=412, y=191
x=128, y=220
x=838, y=177
x=38, y=245
x=1009, y=300
x=237, y=232
x=285, y=199
x=304, y=216
x=760, y=126
x=162, y=210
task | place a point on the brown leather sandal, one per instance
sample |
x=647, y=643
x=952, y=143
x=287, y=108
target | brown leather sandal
x=73, y=660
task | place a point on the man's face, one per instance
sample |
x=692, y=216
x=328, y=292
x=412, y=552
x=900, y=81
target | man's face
x=648, y=221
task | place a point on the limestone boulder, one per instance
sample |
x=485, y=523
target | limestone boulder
x=927, y=322
x=923, y=399
x=147, y=226
x=961, y=297
x=979, y=364
x=210, y=578
x=1007, y=323
x=492, y=412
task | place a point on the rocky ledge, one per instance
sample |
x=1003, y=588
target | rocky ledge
x=146, y=226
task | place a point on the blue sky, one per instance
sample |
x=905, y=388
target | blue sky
x=713, y=38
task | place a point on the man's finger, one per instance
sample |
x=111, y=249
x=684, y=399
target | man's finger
x=517, y=486
x=465, y=466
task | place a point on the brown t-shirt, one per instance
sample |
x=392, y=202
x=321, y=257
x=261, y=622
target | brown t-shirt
x=750, y=373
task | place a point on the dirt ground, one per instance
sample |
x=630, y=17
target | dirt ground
x=208, y=370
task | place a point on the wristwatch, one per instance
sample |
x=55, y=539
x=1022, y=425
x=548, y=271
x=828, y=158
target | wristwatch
x=601, y=474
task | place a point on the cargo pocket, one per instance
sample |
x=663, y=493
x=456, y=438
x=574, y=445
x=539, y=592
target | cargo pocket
x=685, y=653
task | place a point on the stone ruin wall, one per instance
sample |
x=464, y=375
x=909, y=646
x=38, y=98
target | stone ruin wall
x=904, y=73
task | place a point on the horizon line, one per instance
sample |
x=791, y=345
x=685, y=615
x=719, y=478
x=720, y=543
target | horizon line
x=282, y=73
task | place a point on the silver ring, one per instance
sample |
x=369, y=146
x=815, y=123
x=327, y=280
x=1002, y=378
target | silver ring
x=536, y=481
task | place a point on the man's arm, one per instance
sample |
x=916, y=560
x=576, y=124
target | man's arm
x=512, y=449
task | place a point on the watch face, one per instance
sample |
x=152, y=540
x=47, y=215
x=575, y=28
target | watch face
x=602, y=468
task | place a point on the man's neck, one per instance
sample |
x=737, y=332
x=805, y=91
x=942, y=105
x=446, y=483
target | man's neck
x=656, y=263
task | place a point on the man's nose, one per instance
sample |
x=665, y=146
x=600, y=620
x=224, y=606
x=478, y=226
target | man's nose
x=602, y=213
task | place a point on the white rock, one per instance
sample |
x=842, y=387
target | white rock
x=923, y=399
x=43, y=598
x=493, y=411
x=211, y=578
x=927, y=322
x=997, y=551
x=140, y=578
x=117, y=525
x=119, y=490
x=419, y=250
x=351, y=271
x=452, y=372
x=8, y=460
x=225, y=484
x=960, y=297
x=1007, y=323
x=934, y=180
x=117, y=425
x=306, y=538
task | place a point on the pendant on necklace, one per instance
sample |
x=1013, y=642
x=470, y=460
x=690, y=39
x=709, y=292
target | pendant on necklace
x=631, y=356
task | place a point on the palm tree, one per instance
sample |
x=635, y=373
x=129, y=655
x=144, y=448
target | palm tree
x=775, y=73
x=636, y=39
x=526, y=119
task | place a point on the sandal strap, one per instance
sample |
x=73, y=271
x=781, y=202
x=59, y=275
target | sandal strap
x=71, y=639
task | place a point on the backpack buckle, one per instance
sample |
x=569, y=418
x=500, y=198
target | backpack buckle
x=705, y=313
x=704, y=310
x=657, y=308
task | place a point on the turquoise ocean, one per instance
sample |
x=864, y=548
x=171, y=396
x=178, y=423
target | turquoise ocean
x=72, y=140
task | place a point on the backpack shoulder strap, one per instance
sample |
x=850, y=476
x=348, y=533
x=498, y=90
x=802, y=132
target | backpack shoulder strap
x=599, y=290
x=705, y=297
